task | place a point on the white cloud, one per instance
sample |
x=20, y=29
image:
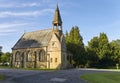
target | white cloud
x=4, y=32
x=10, y=28
x=10, y=5
x=30, y=13
x=11, y=25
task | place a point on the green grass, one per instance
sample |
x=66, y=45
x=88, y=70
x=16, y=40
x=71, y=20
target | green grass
x=2, y=77
x=4, y=67
x=102, y=77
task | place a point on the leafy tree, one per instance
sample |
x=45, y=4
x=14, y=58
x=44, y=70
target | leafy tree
x=0, y=52
x=99, y=52
x=67, y=37
x=0, y=56
x=75, y=45
x=5, y=57
x=94, y=44
x=103, y=45
x=104, y=53
x=115, y=48
x=92, y=52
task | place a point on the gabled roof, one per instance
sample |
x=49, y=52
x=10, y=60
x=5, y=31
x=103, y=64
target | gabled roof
x=34, y=39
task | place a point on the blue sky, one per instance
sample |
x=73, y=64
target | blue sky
x=91, y=16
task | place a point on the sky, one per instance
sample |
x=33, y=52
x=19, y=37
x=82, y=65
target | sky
x=91, y=16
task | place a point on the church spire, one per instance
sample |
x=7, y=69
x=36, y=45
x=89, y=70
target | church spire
x=57, y=21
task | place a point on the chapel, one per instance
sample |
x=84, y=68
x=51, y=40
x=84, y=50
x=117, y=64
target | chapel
x=43, y=48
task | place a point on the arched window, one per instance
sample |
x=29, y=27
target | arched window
x=17, y=56
x=29, y=56
x=42, y=56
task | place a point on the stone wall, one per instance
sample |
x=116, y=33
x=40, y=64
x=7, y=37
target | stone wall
x=23, y=62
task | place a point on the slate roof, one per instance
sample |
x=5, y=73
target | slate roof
x=34, y=39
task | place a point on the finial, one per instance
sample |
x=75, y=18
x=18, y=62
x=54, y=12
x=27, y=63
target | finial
x=57, y=6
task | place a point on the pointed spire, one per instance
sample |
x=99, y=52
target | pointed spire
x=57, y=18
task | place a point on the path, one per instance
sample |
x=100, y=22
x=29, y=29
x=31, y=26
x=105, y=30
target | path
x=59, y=76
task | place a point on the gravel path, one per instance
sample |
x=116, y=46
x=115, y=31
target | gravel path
x=58, y=76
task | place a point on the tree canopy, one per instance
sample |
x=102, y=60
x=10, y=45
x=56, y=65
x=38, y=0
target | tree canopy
x=75, y=45
x=99, y=52
x=5, y=57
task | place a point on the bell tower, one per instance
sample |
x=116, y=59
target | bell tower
x=57, y=21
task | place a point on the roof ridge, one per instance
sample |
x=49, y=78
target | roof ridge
x=40, y=30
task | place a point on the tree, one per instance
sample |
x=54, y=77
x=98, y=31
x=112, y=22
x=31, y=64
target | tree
x=92, y=52
x=115, y=48
x=5, y=57
x=75, y=45
x=99, y=52
x=103, y=45
x=104, y=53
x=0, y=55
x=0, y=52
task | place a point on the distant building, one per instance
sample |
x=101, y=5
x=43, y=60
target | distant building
x=42, y=48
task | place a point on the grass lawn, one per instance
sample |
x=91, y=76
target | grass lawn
x=4, y=67
x=102, y=77
x=2, y=77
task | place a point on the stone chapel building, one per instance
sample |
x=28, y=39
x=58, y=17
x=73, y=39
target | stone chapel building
x=42, y=48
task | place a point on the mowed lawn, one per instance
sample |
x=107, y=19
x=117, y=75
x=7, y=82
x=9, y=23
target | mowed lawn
x=102, y=77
